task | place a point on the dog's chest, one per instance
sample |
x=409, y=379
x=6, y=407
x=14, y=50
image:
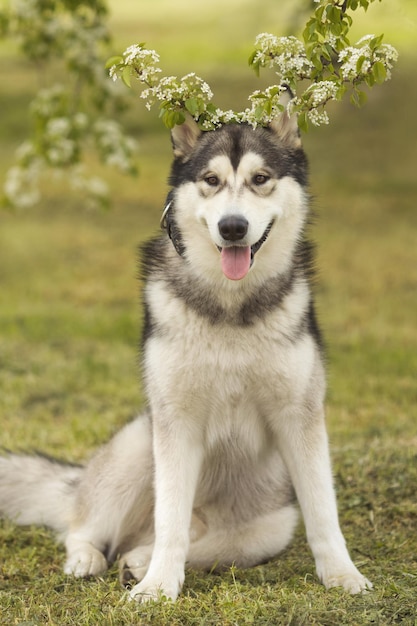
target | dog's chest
x=229, y=377
x=194, y=362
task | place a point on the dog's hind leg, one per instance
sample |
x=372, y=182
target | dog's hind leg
x=114, y=502
x=246, y=544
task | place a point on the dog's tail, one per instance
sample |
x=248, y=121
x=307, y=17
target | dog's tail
x=38, y=490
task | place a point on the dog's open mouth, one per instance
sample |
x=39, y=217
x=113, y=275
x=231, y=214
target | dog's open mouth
x=236, y=261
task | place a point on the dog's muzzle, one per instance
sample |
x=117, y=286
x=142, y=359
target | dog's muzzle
x=236, y=260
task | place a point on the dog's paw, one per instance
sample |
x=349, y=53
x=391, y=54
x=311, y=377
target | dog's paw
x=133, y=565
x=150, y=590
x=351, y=580
x=86, y=562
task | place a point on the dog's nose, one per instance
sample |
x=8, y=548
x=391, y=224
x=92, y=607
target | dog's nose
x=233, y=227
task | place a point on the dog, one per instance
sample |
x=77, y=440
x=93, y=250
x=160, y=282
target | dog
x=234, y=439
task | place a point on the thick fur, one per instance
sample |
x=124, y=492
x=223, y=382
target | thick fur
x=233, y=365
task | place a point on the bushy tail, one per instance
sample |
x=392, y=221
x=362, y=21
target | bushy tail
x=37, y=490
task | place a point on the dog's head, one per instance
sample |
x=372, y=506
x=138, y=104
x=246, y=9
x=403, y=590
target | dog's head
x=238, y=195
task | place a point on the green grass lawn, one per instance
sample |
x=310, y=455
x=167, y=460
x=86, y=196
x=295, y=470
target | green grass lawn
x=70, y=325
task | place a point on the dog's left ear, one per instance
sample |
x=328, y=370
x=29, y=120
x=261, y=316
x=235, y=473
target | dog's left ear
x=286, y=126
x=184, y=137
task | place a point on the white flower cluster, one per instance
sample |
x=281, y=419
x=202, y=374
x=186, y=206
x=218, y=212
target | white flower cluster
x=266, y=106
x=359, y=59
x=40, y=27
x=316, y=96
x=142, y=60
x=218, y=117
x=285, y=54
x=192, y=93
x=74, y=34
x=116, y=149
x=177, y=91
x=26, y=14
x=49, y=102
x=318, y=118
x=26, y=9
x=21, y=184
x=58, y=146
x=320, y=93
x=137, y=54
x=61, y=147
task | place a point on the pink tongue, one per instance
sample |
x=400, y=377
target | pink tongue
x=235, y=262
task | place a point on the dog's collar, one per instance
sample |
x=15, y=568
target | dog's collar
x=163, y=222
x=169, y=224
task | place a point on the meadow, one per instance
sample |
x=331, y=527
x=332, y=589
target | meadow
x=70, y=321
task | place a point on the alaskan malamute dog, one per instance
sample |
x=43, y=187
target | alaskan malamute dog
x=235, y=433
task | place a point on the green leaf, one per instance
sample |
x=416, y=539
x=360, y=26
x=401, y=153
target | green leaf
x=362, y=98
x=259, y=111
x=360, y=62
x=113, y=61
x=173, y=118
x=336, y=29
x=375, y=42
x=191, y=104
x=252, y=57
x=379, y=72
x=126, y=75
x=353, y=100
x=256, y=68
x=370, y=80
x=316, y=60
x=358, y=98
x=347, y=18
x=341, y=92
x=211, y=108
x=303, y=122
x=333, y=13
x=168, y=118
x=326, y=52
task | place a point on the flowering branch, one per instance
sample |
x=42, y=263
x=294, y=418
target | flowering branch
x=71, y=116
x=80, y=114
x=325, y=58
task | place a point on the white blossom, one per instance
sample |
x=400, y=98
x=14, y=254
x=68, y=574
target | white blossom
x=322, y=92
x=285, y=54
x=20, y=187
x=317, y=118
x=116, y=149
x=350, y=56
x=80, y=121
x=58, y=127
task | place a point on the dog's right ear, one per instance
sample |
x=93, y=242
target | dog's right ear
x=184, y=137
x=286, y=126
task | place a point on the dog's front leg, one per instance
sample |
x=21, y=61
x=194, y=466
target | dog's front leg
x=178, y=455
x=304, y=446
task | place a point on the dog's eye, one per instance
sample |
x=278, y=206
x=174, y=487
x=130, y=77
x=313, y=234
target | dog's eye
x=212, y=180
x=260, y=179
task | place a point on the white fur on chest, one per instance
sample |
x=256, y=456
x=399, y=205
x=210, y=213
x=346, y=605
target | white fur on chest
x=226, y=373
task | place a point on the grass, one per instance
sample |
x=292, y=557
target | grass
x=70, y=325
